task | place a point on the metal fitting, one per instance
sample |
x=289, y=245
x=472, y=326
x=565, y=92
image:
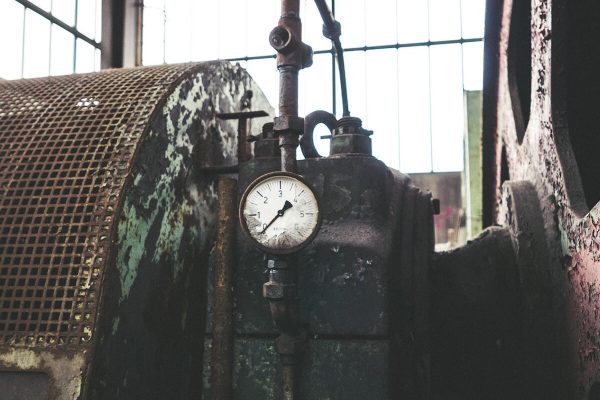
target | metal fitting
x=282, y=40
x=307, y=55
x=266, y=144
x=286, y=39
x=288, y=123
x=351, y=126
x=267, y=131
x=290, y=345
x=349, y=137
x=276, y=264
x=279, y=291
x=332, y=31
x=307, y=142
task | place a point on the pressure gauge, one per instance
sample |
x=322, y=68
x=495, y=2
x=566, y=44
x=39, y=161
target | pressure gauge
x=280, y=213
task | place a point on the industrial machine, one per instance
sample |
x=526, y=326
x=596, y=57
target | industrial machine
x=106, y=226
x=159, y=239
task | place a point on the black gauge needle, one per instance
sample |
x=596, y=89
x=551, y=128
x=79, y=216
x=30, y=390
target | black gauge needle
x=285, y=207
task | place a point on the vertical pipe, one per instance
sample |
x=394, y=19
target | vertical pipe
x=288, y=90
x=242, y=140
x=292, y=55
x=288, y=381
x=289, y=127
x=490, y=154
x=288, y=152
x=221, y=373
x=290, y=6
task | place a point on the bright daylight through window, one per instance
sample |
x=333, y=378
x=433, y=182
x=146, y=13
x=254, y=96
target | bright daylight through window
x=407, y=64
x=49, y=37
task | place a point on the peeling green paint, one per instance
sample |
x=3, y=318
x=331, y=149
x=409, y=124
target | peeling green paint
x=115, y=325
x=132, y=231
x=134, y=227
x=165, y=228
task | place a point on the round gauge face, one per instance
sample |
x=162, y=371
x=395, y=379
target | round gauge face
x=280, y=212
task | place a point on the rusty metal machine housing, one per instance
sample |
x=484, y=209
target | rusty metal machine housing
x=541, y=130
x=108, y=208
x=356, y=287
x=106, y=224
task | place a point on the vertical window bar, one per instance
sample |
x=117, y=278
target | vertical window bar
x=366, y=116
x=462, y=80
x=23, y=42
x=95, y=18
x=429, y=86
x=50, y=41
x=333, y=72
x=462, y=55
x=75, y=39
x=164, y=34
x=398, y=95
x=191, y=12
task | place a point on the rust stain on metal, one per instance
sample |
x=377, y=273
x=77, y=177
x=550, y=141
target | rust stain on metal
x=221, y=365
x=65, y=148
x=547, y=160
x=65, y=369
x=86, y=162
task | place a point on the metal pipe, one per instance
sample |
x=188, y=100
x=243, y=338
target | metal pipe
x=292, y=56
x=288, y=90
x=280, y=291
x=289, y=372
x=221, y=373
x=290, y=6
x=332, y=30
x=288, y=143
x=339, y=51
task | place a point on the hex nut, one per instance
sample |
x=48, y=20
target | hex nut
x=290, y=345
x=287, y=123
x=279, y=291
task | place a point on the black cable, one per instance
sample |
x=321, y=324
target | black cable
x=332, y=30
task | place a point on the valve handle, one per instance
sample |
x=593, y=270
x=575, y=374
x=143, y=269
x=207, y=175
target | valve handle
x=307, y=142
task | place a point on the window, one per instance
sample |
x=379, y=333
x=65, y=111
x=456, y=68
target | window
x=408, y=63
x=49, y=37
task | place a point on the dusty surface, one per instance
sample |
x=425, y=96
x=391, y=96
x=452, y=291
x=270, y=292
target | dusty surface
x=546, y=159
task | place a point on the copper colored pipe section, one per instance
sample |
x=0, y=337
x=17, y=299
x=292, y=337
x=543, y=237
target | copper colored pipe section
x=292, y=56
x=221, y=373
x=289, y=392
x=490, y=150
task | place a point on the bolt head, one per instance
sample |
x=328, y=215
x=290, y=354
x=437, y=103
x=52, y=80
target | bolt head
x=279, y=291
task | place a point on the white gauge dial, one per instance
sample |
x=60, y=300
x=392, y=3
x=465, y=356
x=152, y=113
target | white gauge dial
x=280, y=212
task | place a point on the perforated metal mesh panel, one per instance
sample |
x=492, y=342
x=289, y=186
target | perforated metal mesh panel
x=65, y=148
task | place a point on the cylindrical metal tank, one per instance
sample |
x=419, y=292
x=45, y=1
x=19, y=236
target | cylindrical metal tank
x=106, y=221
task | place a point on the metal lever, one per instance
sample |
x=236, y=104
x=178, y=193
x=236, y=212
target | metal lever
x=242, y=118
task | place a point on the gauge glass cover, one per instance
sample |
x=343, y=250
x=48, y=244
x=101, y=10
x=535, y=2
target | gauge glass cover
x=280, y=212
